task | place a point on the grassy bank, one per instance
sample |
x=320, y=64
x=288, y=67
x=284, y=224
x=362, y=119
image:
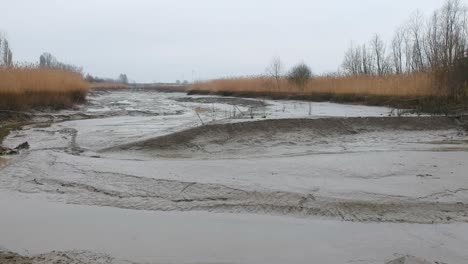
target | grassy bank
x=419, y=91
x=25, y=88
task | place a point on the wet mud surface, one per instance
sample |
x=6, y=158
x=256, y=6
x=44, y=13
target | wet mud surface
x=55, y=257
x=150, y=151
x=323, y=135
x=223, y=100
x=68, y=160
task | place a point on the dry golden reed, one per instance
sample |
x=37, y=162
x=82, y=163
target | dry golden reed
x=23, y=88
x=404, y=85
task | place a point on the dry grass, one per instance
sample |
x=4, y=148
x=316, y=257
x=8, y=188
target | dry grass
x=410, y=85
x=24, y=88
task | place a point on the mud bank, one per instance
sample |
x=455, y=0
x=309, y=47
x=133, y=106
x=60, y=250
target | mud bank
x=83, y=257
x=319, y=135
x=57, y=257
x=165, y=195
x=415, y=187
x=223, y=100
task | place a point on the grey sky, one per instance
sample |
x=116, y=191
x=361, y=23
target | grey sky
x=165, y=40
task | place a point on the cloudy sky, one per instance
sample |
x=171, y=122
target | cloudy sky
x=165, y=40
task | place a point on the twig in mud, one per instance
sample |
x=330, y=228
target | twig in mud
x=200, y=118
x=213, y=115
x=239, y=110
x=251, y=112
x=37, y=182
x=187, y=186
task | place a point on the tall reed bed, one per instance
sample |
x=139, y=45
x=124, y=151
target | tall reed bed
x=25, y=88
x=405, y=85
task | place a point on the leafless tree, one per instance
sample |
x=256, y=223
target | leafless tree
x=275, y=70
x=378, y=48
x=5, y=52
x=348, y=63
x=123, y=78
x=408, y=51
x=397, y=50
x=453, y=26
x=416, y=27
x=367, y=61
x=47, y=60
x=432, y=43
x=361, y=60
x=352, y=63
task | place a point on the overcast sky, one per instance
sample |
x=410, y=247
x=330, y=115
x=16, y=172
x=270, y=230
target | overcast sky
x=165, y=40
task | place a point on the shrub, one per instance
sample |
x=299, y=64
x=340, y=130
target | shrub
x=300, y=75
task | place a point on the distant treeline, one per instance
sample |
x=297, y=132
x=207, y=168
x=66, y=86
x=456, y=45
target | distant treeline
x=94, y=79
x=436, y=45
x=47, y=60
x=419, y=45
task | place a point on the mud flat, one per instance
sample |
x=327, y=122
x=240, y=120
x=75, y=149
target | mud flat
x=222, y=100
x=136, y=175
x=68, y=257
x=200, y=237
x=325, y=135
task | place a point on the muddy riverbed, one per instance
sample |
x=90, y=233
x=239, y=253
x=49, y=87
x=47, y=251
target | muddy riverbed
x=153, y=177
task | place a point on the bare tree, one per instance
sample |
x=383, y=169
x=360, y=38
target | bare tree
x=378, y=48
x=367, y=61
x=123, y=78
x=416, y=28
x=408, y=51
x=47, y=60
x=9, y=60
x=359, y=61
x=275, y=70
x=6, y=53
x=453, y=26
x=432, y=42
x=397, y=50
x=352, y=63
